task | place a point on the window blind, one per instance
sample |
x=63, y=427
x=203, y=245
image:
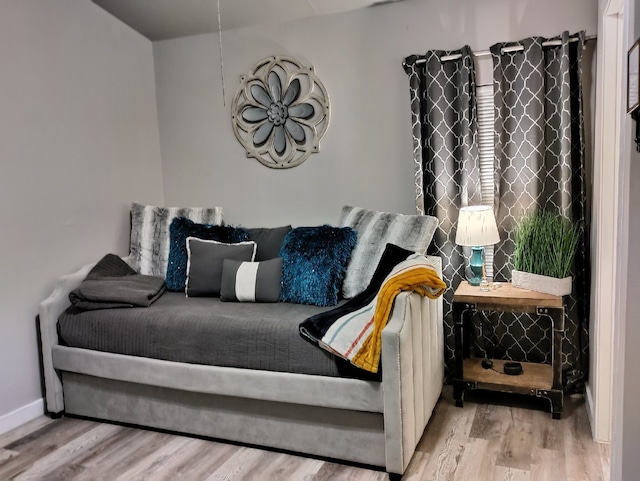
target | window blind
x=486, y=150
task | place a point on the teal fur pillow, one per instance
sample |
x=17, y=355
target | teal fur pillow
x=314, y=264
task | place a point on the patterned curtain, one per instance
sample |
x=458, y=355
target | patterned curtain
x=445, y=152
x=540, y=165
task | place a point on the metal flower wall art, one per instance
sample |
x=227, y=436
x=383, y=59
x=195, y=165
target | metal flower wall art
x=280, y=112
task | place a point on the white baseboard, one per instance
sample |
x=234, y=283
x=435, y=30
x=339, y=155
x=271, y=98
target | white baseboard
x=21, y=415
x=599, y=427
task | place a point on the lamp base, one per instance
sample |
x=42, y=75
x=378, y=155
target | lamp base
x=475, y=265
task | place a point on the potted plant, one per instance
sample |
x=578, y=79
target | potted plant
x=545, y=245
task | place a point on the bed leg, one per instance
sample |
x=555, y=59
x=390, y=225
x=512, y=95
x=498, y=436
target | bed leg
x=55, y=415
x=395, y=477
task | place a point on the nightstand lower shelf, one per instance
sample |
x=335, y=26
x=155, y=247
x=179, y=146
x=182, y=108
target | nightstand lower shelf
x=534, y=376
x=535, y=380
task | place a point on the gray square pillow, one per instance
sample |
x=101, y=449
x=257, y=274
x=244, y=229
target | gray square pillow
x=269, y=240
x=149, y=245
x=251, y=281
x=376, y=229
x=205, y=261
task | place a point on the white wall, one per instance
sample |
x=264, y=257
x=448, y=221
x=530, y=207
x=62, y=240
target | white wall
x=625, y=462
x=366, y=155
x=78, y=143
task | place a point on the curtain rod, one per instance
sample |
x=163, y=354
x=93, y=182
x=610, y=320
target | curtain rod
x=514, y=48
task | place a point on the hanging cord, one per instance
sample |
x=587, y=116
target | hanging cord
x=221, y=59
x=492, y=338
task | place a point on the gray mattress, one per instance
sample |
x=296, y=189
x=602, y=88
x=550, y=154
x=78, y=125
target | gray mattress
x=206, y=331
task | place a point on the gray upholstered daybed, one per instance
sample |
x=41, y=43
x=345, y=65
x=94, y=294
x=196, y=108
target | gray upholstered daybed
x=369, y=422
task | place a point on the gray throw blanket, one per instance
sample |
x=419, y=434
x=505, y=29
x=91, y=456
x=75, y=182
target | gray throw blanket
x=112, y=283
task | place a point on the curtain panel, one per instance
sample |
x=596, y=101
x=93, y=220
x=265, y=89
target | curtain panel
x=540, y=165
x=445, y=156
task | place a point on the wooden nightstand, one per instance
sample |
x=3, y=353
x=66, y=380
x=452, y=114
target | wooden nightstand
x=540, y=380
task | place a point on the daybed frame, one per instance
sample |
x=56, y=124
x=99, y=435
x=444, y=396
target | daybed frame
x=366, y=422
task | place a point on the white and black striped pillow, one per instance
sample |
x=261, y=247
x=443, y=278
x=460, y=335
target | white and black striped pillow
x=149, y=247
x=251, y=281
x=375, y=230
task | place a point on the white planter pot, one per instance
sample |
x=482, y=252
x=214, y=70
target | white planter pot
x=538, y=283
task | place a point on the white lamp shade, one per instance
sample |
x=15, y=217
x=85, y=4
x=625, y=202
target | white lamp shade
x=477, y=226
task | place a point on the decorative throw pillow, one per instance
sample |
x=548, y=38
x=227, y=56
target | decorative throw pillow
x=179, y=230
x=251, y=281
x=269, y=240
x=375, y=230
x=205, y=260
x=314, y=263
x=149, y=247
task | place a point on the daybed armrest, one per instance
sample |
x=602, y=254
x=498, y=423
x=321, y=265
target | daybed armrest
x=412, y=372
x=50, y=310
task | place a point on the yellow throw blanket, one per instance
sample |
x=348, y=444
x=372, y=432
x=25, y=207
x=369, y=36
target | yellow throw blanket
x=354, y=331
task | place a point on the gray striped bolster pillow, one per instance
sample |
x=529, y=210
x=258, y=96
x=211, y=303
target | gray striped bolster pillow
x=251, y=281
x=376, y=229
x=149, y=247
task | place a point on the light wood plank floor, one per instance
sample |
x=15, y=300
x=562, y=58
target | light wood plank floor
x=511, y=438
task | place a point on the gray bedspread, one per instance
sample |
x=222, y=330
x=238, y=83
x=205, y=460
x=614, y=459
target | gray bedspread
x=206, y=331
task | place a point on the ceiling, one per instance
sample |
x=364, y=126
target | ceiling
x=164, y=19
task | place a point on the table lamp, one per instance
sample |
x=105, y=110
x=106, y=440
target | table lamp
x=477, y=228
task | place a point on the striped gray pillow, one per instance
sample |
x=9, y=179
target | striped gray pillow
x=149, y=247
x=375, y=230
x=251, y=281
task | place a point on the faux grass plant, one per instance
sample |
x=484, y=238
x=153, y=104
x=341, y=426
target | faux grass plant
x=545, y=244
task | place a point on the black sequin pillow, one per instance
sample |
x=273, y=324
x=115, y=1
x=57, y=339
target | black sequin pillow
x=179, y=230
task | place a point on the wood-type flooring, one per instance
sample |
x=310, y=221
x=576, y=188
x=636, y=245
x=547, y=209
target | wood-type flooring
x=493, y=437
